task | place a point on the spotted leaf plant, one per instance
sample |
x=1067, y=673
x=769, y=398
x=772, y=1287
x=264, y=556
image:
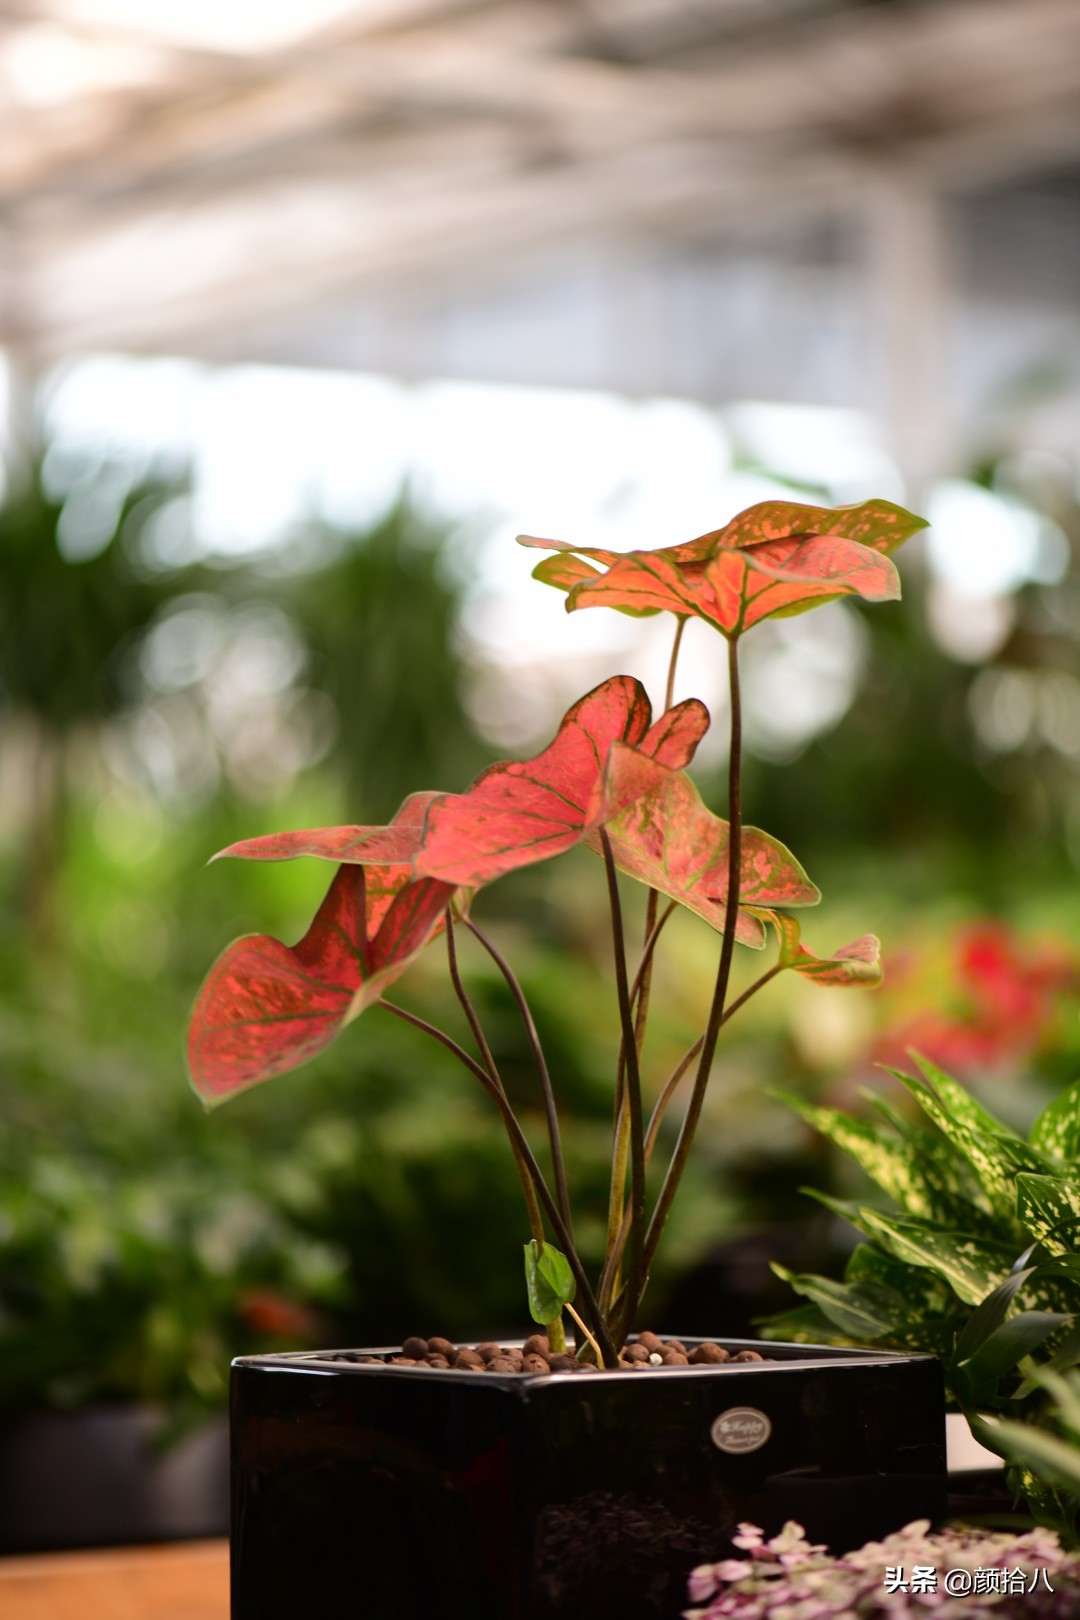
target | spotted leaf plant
x=614, y=780
x=978, y=1262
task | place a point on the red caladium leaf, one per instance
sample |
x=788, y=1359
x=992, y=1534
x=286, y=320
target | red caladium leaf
x=395, y=845
x=878, y=524
x=672, y=740
x=523, y=811
x=740, y=588
x=856, y=965
x=266, y=1007
x=662, y=834
x=776, y=557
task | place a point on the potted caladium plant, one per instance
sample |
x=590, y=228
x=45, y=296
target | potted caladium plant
x=556, y=1469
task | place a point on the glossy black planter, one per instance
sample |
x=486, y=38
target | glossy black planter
x=395, y=1493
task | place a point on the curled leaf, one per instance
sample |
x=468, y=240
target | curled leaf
x=266, y=1007
x=855, y=965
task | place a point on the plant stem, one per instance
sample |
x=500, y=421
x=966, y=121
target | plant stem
x=639, y=995
x=643, y=977
x=617, y=1215
x=465, y=1000
x=617, y=1196
x=723, y=975
x=616, y=1244
x=669, y=691
x=752, y=990
x=554, y=1137
x=517, y=1136
x=536, y=1223
x=586, y=1335
x=635, y=1277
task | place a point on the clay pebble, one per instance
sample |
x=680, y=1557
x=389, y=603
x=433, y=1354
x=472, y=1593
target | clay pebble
x=647, y=1352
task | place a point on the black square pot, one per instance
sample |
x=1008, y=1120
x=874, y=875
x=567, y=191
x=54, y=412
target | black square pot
x=397, y=1493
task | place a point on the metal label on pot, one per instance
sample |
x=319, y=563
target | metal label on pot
x=740, y=1428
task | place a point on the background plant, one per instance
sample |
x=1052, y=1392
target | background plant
x=1054, y=1457
x=980, y=1266
x=113, y=1190
x=165, y=1276
x=788, y=1577
x=383, y=1128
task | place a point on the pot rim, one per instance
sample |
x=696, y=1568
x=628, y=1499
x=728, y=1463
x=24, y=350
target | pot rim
x=793, y=1357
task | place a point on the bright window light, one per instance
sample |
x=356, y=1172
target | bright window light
x=817, y=445
x=269, y=447
x=980, y=544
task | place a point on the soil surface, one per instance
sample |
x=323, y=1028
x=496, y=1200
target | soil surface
x=646, y=1353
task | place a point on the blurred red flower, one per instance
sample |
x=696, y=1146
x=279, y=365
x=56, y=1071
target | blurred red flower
x=276, y=1317
x=1006, y=993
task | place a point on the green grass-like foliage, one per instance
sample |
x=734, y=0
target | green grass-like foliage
x=978, y=1264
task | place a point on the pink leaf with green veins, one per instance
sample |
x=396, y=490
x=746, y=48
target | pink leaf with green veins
x=748, y=586
x=363, y=846
x=672, y=740
x=266, y=1007
x=749, y=570
x=523, y=811
x=857, y=965
x=662, y=834
x=877, y=524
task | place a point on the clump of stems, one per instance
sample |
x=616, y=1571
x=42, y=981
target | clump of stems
x=606, y=1313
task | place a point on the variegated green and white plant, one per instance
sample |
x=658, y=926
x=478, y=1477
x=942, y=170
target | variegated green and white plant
x=980, y=1263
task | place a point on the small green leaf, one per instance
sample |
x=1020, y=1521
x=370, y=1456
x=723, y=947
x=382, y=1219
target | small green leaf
x=860, y=1311
x=806, y=1324
x=1064, y=1359
x=1057, y=1129
x=549, y=1280
x=922, y=1293
x=1065, y=1392
x=1049, y=1208
x=976, y=1379
x=990, y=1314
x=1020, y=1442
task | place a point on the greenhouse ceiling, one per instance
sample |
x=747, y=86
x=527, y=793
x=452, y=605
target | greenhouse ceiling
x=195, y=176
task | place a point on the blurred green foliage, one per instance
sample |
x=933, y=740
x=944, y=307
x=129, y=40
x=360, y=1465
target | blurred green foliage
x=136, y=1231
x=155, y=709
x=380, y=623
